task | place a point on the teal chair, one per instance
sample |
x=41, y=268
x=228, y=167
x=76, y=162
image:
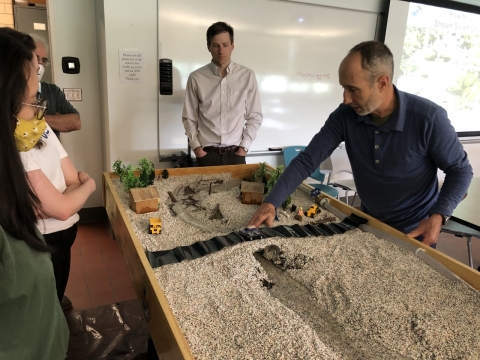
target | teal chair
x=290, y=152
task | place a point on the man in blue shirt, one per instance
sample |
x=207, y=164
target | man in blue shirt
x=395, y=141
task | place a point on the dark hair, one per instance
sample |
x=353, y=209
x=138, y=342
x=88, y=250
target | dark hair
x=29, y=42
x=25, y=39
x=376, y=58
x=19, y=204
x=218, y=28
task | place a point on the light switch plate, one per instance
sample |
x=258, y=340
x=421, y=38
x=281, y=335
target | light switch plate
x=73, y=94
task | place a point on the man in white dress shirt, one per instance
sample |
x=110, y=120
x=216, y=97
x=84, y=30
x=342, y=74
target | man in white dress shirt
x=222, y=111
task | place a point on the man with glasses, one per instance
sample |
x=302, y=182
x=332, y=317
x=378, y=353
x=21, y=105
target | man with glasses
x=60, y=114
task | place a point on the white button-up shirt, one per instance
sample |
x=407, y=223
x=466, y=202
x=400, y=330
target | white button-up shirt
x=222, y=111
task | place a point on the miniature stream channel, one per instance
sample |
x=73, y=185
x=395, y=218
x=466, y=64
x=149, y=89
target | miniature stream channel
x=281, y=286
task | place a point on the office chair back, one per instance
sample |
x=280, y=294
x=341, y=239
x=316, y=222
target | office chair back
x=341, y=165
x=290, y=152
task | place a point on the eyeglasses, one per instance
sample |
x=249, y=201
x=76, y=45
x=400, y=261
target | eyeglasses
x=43, y=61
x=40, y=108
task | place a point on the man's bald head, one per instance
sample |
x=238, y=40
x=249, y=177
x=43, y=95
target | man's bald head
x=377, y=59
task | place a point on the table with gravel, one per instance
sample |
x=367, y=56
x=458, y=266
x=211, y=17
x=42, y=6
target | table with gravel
x=354, y=296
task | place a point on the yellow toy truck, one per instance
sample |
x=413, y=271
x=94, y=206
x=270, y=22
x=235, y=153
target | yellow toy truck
x=155, y=226
x=314, y=210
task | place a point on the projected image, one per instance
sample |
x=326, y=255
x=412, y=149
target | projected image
x=441, y=61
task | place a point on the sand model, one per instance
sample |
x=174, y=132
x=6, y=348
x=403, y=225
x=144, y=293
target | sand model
x=348, y=296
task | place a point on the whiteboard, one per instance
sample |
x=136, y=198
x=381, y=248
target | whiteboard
x=293, y=48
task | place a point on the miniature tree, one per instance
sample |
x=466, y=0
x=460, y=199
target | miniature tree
x=261, y=172
x=127, y=174
x=147, y=173
x=269, y=178
x=287, y=202
x=273, y=176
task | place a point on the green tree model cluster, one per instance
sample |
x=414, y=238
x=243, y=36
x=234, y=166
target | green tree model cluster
x=127, y=174
x=270, y=177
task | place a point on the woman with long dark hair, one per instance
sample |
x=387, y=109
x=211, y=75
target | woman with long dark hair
x=32, y=323
x=62, y=190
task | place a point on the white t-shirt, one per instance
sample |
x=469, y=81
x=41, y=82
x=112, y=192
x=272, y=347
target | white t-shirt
x=49, y=160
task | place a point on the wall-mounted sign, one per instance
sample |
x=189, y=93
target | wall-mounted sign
x=39, y=26
x=132, y=70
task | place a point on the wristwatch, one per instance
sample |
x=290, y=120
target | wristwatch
x=445, y=218
x=245, y=149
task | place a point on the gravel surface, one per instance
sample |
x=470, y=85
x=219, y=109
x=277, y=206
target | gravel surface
x=353, y=296
x=177, y=232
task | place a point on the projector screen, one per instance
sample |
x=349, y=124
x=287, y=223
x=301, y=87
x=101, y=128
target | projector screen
x=437, y=56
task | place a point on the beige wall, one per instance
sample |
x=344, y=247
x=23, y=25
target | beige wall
x=129, y=111
x=6, y=13
x=73, y=33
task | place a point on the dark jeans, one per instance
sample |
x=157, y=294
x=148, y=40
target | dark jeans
x=60, y=243
x=215, y=159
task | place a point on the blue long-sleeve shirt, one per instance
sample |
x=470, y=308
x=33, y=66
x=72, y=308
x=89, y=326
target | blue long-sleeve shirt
x=395, y=165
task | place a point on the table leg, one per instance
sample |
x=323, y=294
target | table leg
x=469, y=244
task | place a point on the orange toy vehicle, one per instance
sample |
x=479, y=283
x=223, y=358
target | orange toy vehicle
x=314, y=210
x=155, y=226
